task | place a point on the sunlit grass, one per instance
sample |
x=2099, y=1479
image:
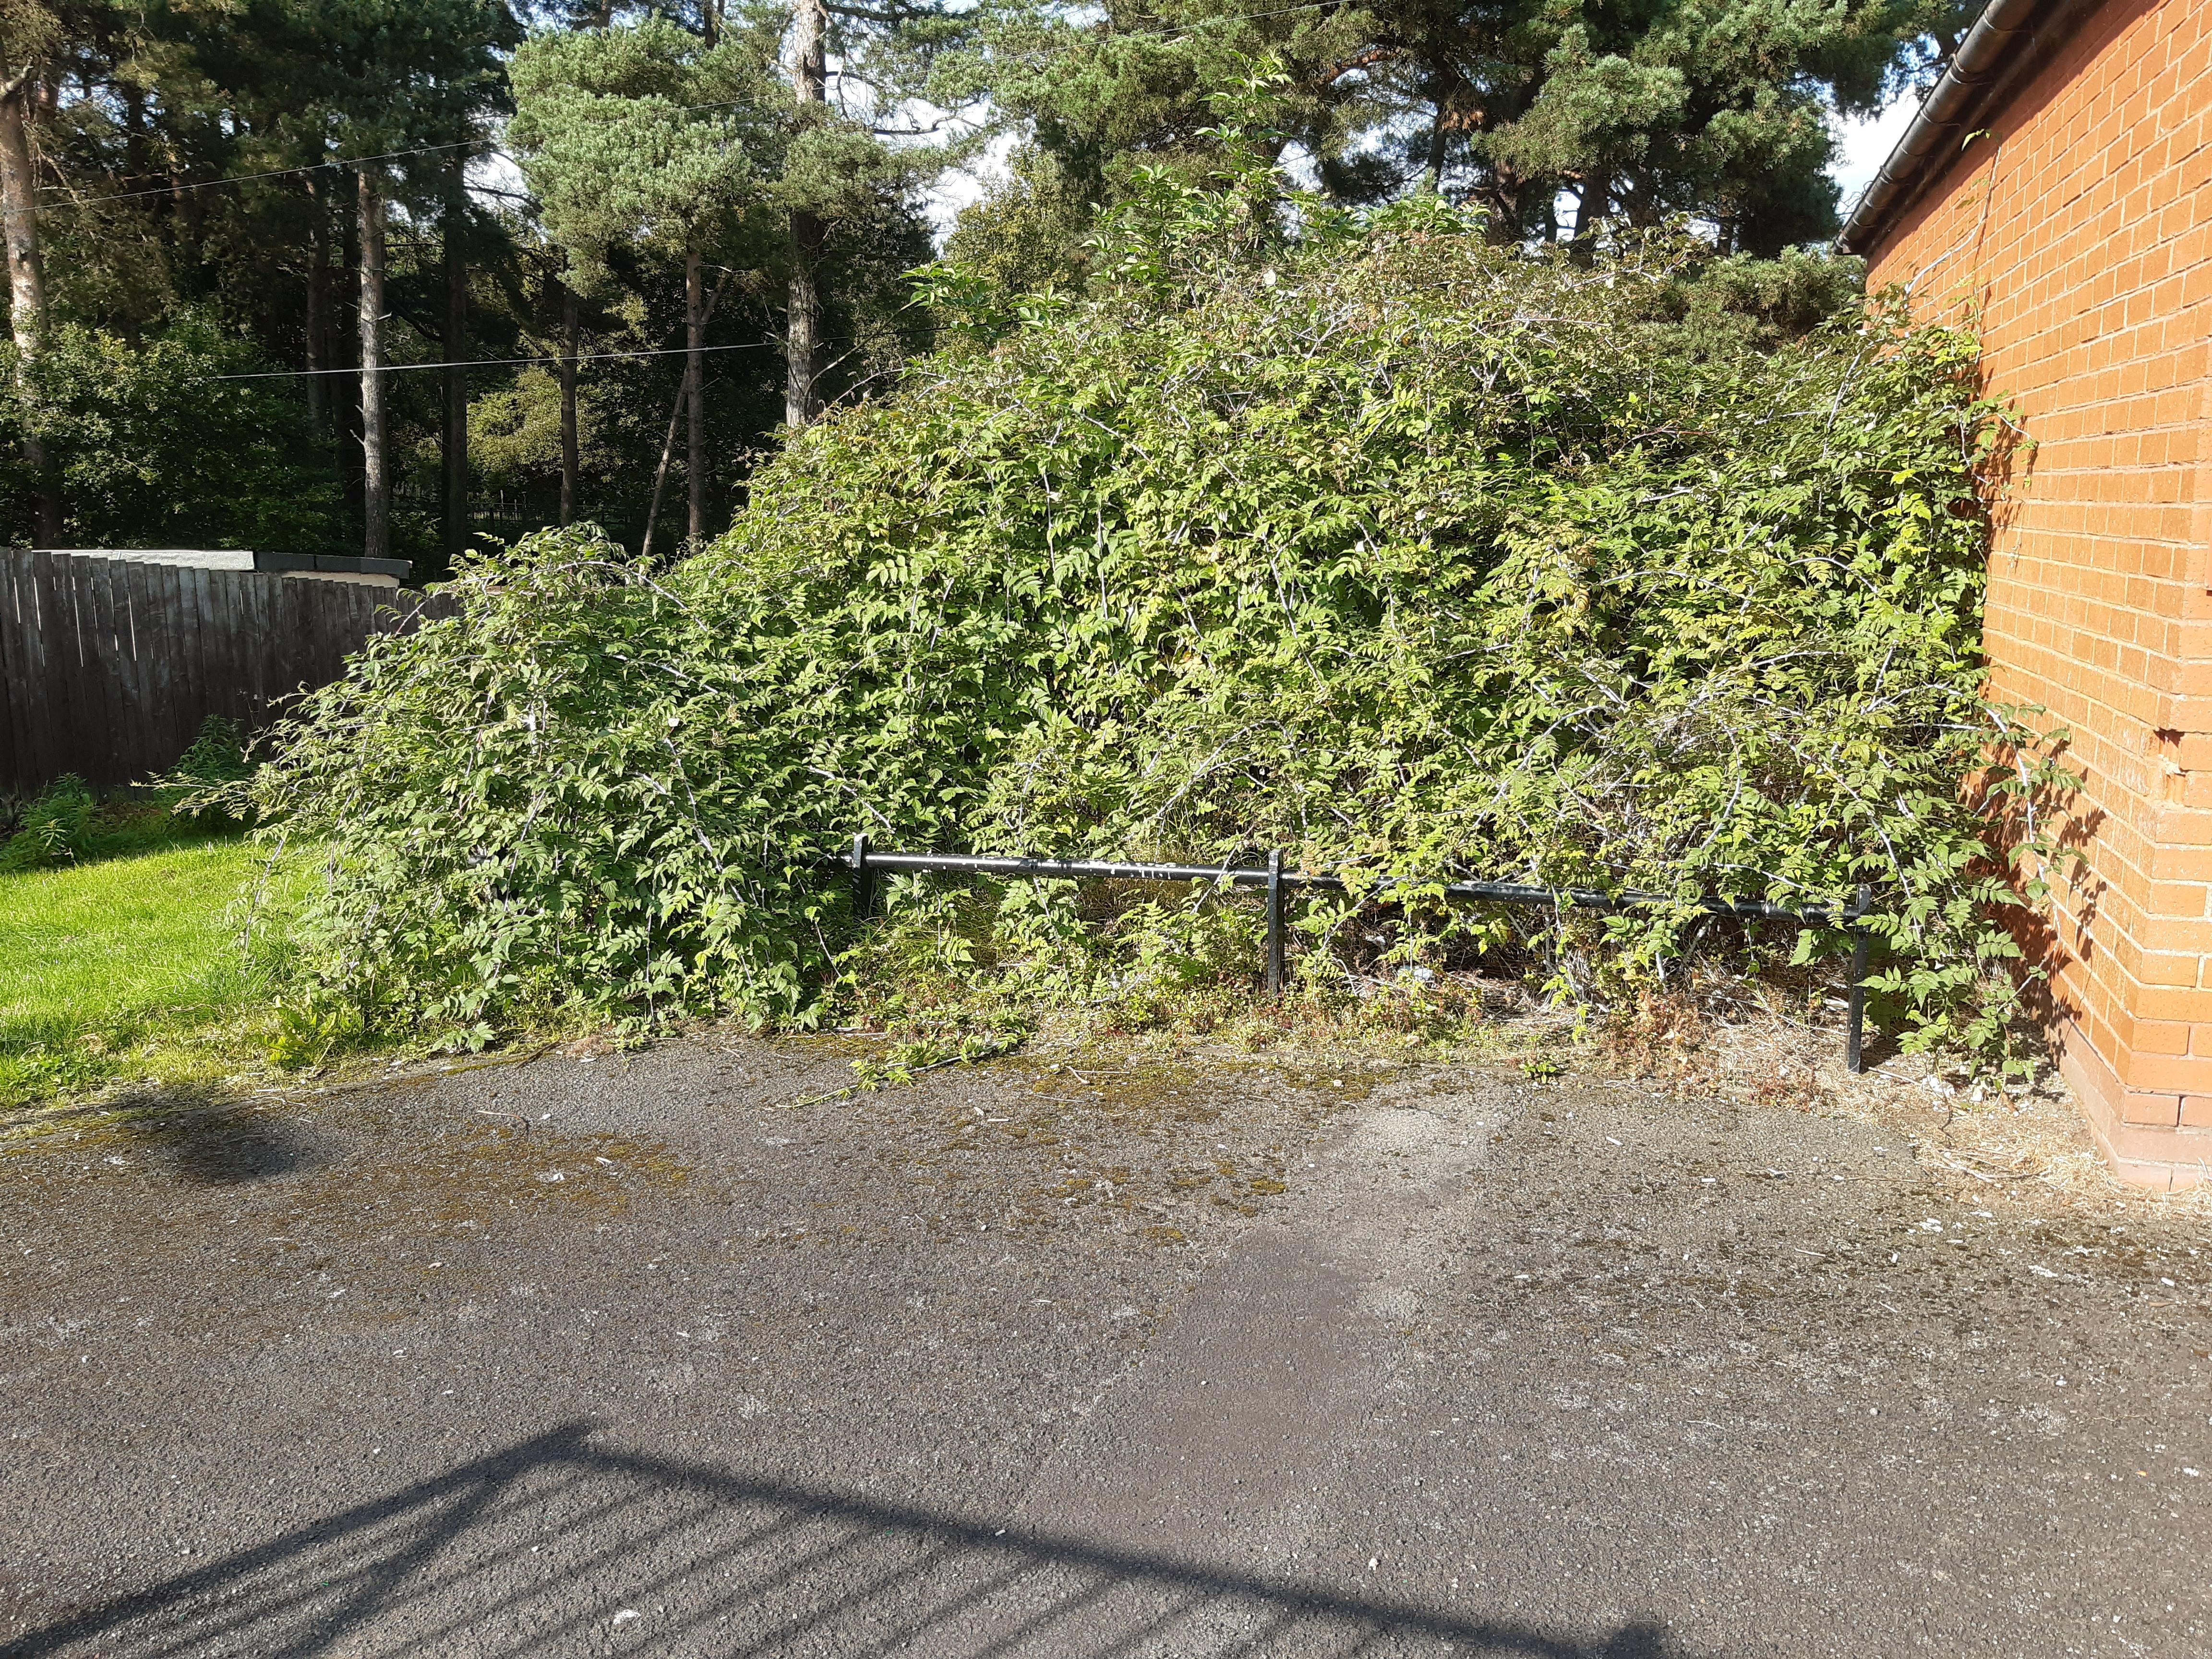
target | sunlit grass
x=126, y=969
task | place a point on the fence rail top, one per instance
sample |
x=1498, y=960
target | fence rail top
x=238, y=559
x=866, y=858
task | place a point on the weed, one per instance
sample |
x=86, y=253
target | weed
x=53, y=828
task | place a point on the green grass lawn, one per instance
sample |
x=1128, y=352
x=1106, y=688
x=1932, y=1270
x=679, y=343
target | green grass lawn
x=125, y=967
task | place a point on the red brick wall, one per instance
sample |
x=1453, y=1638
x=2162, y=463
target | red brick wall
x=2081, y=226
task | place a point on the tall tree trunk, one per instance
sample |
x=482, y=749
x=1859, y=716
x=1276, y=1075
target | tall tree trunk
x=1433, y=176
x=318, y=305
x=694, y=394
x=345, y=336
x=675, y=419
x=1501, y=193
x=803, y=305
x=568, y=467
x=135, y=132
x=27, y=282
x=660, y=475
x=453, y=493
x=375, y=479
x=1590, y=215
x=803, y=302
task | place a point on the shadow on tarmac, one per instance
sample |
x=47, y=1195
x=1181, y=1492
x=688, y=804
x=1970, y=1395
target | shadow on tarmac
x=555, y=1545
x=212, y=1148
x=201, y=1136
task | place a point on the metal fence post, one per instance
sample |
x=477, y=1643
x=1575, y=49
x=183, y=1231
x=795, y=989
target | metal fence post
x=1274, y=922
x=865, y=862
x=1854, y=1038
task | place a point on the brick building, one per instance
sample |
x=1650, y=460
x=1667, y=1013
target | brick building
x=2058, y=179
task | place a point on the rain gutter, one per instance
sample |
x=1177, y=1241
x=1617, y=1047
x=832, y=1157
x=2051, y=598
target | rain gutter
x=2008, y=41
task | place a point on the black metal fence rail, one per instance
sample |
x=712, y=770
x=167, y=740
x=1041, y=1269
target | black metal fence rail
x=865, y=862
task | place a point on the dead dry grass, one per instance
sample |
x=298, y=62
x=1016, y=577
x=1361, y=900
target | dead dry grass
x=1974, y=1136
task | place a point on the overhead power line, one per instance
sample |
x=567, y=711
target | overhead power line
x=491, y=362
x=339, y=162
x=674, y=109
x=278, y=173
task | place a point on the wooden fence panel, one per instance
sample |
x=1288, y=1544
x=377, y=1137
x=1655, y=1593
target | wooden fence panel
x=173, y=668
x=134, y=669
x=127, y=705
x=260, y=620
x=56, y=658
x=39, y=643
x=24, y=631
x=14, y=737
x=301, y=624
x=108, y=666
x=43, y=640
x=89, y=603
x=184, y=704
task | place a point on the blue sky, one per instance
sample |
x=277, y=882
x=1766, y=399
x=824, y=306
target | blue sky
x=1866, y=145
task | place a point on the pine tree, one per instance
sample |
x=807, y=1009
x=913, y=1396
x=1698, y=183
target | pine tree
x=1635, y=109
x=645, y=134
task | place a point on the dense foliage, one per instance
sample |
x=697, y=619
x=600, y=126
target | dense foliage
x=1377, y=543
x=1635, y=111
x=51, y=827
x=159, y=445
x=196, y=170
x=64, y=822
x=549, y=168
x=191, y=186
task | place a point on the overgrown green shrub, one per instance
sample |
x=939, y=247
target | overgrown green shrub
x=204, y=785
x=52, y=828
x=66, y=822
x=154, y=451
x=1406, y=553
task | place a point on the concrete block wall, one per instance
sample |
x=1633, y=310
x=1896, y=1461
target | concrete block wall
x=2079, y=228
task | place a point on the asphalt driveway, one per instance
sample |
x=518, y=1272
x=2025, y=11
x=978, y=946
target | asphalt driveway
x=1133, y=1357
